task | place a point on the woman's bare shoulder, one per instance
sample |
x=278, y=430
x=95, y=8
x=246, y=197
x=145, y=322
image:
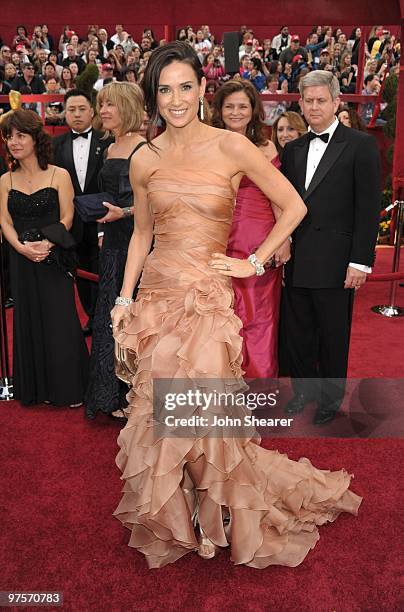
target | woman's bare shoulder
x=269, y=150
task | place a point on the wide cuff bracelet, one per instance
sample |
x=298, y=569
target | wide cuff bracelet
x=259, y=267
x=122, y=301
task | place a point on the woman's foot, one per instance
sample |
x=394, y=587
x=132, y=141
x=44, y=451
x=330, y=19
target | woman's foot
x=207, y=549
x=76, y=405
x=119, y=414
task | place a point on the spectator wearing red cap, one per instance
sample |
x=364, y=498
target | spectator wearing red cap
x=107, y=75
x=289, y=53
x=325, y=62
x=247, y=47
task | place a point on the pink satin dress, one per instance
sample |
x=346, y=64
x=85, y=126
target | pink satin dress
x=182, y=325
x=257, y=299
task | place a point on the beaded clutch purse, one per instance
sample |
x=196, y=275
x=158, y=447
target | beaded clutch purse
x=125, y=362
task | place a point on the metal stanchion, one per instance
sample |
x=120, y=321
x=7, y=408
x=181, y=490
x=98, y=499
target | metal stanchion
x=392, y=310
x=6, y=382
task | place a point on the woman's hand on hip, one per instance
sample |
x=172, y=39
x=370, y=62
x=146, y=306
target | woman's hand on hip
x=230, y=266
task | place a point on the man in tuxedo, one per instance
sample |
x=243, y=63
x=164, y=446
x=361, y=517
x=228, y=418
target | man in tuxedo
x=336, y=170
x=81, y=152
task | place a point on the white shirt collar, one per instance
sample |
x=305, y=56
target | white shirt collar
x=330, y=130
x=85, y=131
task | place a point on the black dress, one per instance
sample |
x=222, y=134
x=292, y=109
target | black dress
x=50, y=356
x=106, y=393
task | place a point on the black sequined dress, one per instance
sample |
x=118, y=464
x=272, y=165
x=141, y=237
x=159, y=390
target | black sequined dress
x=106, y=393
x=50, y=357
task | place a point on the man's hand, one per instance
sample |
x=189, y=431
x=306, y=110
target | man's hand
x=354, y=278
x=282, y=255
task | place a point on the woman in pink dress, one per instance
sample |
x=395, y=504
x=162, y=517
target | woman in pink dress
x=237, y=107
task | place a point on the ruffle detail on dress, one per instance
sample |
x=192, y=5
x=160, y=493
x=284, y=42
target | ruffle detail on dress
x=275, y=504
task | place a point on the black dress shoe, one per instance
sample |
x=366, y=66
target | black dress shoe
x=324, y=415
x=9, y=303
x=296, y=404
x=87, y=331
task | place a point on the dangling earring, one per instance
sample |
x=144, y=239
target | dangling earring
x=201, y=110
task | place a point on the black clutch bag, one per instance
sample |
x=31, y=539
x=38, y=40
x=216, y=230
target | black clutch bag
x=90, y=206
x=63, y=254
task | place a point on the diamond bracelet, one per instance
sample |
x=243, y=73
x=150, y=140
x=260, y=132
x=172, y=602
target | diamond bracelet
x=259, y=267
x=122, y=301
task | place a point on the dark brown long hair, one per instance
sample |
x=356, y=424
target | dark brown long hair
x=28, y=122
x=161, y=57
x=256, y=127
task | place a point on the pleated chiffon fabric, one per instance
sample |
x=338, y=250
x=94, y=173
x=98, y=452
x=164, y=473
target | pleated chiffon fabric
x=182, y=325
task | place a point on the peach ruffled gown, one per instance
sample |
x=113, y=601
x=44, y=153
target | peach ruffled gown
x=183, y=326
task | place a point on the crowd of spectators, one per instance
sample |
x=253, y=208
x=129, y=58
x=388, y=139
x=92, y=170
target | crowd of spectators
x=39, y=63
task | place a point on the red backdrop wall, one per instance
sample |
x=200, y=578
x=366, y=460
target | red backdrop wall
x=264, y=16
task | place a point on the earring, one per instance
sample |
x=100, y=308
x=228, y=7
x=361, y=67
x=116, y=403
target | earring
x=201, y=110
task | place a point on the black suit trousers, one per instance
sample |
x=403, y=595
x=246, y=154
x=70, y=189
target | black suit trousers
x=318, y=327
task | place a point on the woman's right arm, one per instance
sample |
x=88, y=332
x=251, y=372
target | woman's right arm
x=142, y=236
x=6, y=221
x=34, y=251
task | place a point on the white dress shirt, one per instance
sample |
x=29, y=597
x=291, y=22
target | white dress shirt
x=81, y=151
x=316, y=151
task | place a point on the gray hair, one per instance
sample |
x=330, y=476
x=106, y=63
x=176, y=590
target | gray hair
x=320, y=77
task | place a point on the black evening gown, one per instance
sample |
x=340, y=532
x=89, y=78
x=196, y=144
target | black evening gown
x=50, y=356
x=106, y=393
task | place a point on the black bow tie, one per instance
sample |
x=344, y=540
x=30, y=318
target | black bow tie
x=82, y=134
x=323, y=137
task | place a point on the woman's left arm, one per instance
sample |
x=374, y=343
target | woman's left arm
x=249, y=160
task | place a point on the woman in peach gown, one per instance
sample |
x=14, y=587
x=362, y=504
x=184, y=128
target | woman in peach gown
x=237, y=107
x=182, y=326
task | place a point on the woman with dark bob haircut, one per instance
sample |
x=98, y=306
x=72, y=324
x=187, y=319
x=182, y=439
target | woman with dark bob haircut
x=50, y=357
x=182, y=328
x=237, y=107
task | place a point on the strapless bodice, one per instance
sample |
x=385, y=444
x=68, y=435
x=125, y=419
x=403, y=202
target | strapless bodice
x=192, y=209
x=193, y=212
x=37, y=209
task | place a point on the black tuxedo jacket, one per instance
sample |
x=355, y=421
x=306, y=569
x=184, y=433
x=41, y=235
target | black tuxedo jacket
x=343, y=203
x=63, y=157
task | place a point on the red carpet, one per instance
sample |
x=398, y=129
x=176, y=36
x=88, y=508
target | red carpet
x=60, y=487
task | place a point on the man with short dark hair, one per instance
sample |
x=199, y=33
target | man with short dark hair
x=81, y=152
x=73, y=58
x=28, y=79
x=281, y=41
x=372, y=88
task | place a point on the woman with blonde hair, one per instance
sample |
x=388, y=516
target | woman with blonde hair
x=120, y=110
x=287, y=127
